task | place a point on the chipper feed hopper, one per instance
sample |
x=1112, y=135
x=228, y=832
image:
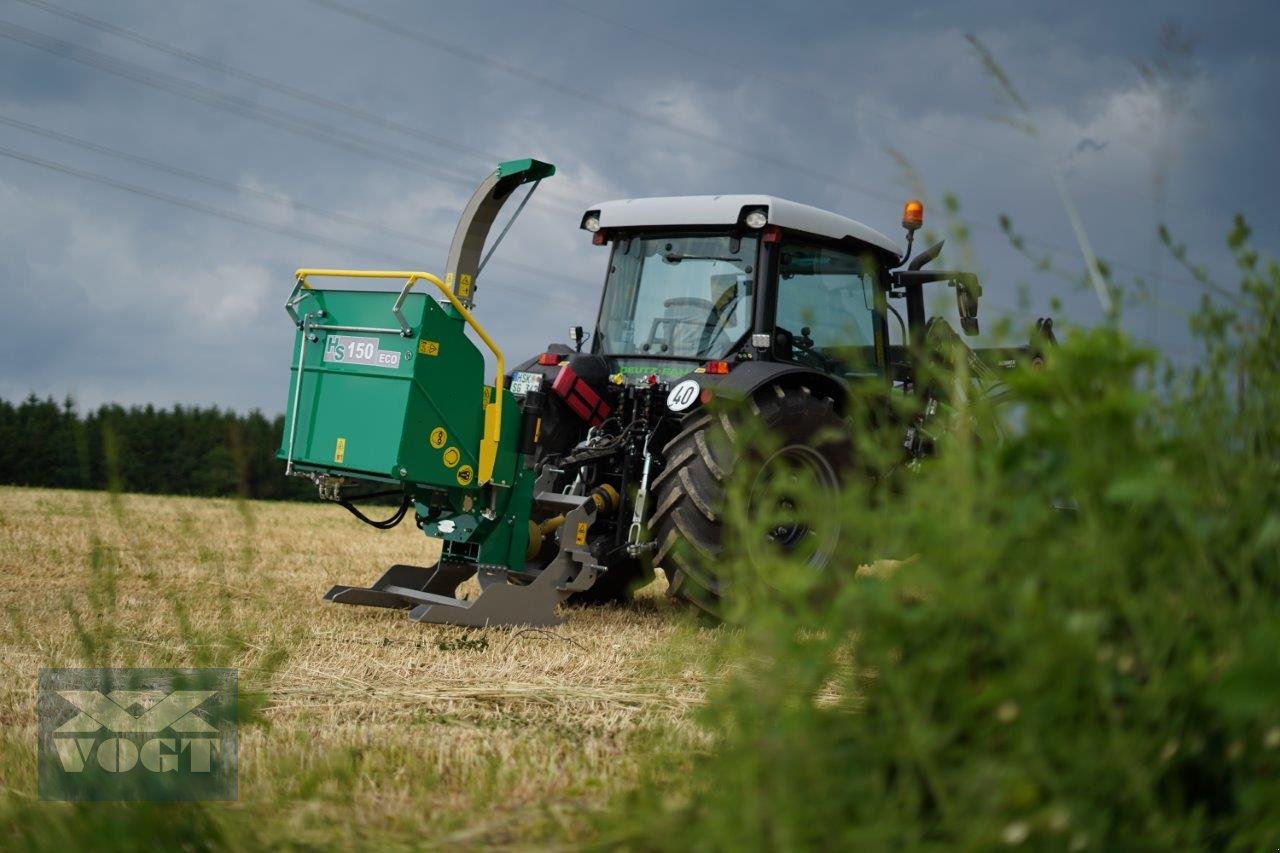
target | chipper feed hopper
x=388, y=397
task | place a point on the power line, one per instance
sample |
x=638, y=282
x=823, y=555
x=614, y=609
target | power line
x=188, y=204
x=729, y=61
x=259, y=80
x=369, y=147
x=205, y=95
x=526, y=74
x=290, y=122
x=263, y=81
x=254, y=192
x=299, y=234
x=361, y=145
x=403, y=31
x=1154, y=301
x=447, y=142
x=234, y=216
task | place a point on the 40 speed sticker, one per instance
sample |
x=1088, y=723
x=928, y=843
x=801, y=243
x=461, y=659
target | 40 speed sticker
x=684, y=395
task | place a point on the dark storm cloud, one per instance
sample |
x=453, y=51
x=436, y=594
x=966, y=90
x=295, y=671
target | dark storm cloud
x=114, y=295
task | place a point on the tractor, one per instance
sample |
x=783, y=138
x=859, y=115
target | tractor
x=577, y=472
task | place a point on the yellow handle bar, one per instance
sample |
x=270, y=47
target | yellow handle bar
x=492, y=411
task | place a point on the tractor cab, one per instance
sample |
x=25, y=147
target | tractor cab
x=732, y=278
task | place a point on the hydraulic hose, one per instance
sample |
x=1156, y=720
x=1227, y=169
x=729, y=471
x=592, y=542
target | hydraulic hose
x=386, y=523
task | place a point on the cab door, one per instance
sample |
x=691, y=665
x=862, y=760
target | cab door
x=825, y=313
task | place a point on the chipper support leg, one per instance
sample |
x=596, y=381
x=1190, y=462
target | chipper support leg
x=429, y=593
x=403, y=586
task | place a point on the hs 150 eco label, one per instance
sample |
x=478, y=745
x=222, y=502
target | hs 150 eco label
x=346, y=349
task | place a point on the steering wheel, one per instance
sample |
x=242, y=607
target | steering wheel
x=714, y=333
x=805, y=349
x=703, y=305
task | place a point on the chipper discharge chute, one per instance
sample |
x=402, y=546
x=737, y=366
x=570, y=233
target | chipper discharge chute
x=388, y=397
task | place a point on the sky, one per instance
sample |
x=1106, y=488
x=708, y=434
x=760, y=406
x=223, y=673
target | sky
x=165, y=165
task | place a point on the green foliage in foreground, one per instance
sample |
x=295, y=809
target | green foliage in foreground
x=1077, y=649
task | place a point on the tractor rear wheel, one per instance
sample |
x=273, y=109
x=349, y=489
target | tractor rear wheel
x=795, y=488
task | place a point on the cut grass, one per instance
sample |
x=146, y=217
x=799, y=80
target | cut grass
x=362, y=727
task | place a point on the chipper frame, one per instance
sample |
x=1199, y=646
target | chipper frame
x=379, y=408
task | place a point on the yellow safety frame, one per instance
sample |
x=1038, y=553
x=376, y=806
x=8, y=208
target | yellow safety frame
x=492, y=410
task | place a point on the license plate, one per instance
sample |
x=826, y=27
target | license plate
x=523, y=383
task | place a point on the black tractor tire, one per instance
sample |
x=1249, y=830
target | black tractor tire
x=689, y=493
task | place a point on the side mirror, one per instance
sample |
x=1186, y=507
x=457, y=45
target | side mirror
x=967, y=286
x=576, y=337
x=968, y=289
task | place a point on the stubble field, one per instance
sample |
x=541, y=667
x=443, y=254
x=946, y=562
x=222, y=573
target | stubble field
x=362, y=727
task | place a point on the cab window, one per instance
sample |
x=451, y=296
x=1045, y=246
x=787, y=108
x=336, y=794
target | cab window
x=688, y=296
x=825, y=309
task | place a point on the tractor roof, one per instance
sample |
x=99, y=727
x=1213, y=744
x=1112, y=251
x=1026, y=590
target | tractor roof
x=726, y=210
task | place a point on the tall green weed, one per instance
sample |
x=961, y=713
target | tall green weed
x=1066, y=638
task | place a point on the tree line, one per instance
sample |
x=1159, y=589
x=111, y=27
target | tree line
x=182, y=451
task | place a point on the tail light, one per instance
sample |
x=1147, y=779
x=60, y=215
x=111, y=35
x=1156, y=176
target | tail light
x=548, y=359
x=718, y=368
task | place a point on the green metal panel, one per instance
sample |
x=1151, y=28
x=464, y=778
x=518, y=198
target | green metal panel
x=377, y=404
x=532, y=170
x=498, y=537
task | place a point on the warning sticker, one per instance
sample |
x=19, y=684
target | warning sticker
x=428, y=347
x=580, y=536
x=465, y=475
x=439, y=437
x=464, y=286
x=340, y=450
x=451, y=457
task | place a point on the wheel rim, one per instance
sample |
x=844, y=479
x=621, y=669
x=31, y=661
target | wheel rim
x=796, y=493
